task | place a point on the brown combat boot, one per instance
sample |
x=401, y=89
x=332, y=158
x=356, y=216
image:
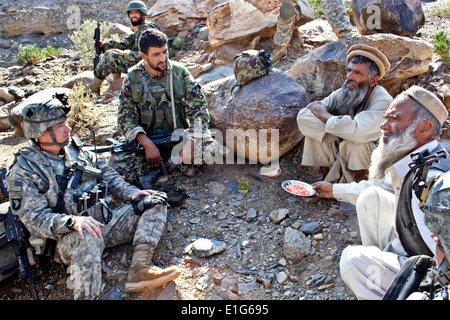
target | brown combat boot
x=279, y=53
x=95, y=85
x=143, y=275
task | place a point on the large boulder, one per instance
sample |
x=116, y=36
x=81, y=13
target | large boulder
x=255, y=113
x=401, y=17
x=177, y=15
x=323, y=70
x=241, y=20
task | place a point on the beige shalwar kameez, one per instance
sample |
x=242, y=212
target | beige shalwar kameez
x=345, y=142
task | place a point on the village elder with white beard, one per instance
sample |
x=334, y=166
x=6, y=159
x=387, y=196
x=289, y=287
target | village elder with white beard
x=342, y=130
x=412, y=124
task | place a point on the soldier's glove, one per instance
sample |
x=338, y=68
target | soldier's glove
x=143, y=203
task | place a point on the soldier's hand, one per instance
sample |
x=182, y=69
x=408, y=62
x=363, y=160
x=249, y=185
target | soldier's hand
x=151, y=151
x=323, y=189
x=89, y=224
x=152, y=154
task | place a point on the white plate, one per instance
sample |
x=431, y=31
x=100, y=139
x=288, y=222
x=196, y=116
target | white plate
x=286, y=183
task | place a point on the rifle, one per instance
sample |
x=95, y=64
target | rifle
x=98, y=49
x=135, y=146
x=16, y=231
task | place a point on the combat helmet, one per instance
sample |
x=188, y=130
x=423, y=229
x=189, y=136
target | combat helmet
x=38, y=117
x=437, y=212
x=251, y=64
x=137, y=5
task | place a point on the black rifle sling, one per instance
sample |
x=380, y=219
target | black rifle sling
x=406, y=226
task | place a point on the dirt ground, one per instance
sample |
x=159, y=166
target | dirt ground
x=253, y=266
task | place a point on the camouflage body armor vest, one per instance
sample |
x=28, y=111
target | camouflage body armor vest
x=153, y=97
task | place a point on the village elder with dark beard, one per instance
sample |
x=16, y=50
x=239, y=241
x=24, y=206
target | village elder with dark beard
x=341, y=130
x=412, y=124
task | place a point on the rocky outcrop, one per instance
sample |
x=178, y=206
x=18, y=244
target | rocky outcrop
x=240, y=20
x=178, y=15
x=401, y=17
x=259, y=108
x=323, y=70
x=24, y=17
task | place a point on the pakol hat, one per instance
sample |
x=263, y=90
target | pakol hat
x=371, y=53
x=429, y=101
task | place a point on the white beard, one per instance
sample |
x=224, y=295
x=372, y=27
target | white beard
x=349, y=99
x=385, y=155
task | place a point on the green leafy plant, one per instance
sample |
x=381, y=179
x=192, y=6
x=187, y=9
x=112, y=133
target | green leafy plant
x=32, y=53
x=443, y=11
x=316, y=6
x=442, y=46
x=83, y=41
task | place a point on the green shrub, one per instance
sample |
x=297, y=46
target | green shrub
x=316, y=6
x=442, y=46
x=443, y=11
x=83, y=39
x=31, y=53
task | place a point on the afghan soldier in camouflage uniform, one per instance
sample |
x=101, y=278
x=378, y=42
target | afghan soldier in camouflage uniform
x=120, y=56
x=290, y=12
x=155, y=92
x=61, y=194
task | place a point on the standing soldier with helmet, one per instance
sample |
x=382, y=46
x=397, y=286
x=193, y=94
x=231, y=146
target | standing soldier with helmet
x=119, y=56
x=60, y=192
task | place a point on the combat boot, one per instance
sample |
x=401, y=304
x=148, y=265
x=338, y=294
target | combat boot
x=95, y=85
x=144, y=275
x=279, y=53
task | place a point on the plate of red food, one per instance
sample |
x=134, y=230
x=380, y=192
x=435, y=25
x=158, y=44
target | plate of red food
x=298, y=188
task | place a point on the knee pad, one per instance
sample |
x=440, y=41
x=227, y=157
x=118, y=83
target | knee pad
x=287, y=11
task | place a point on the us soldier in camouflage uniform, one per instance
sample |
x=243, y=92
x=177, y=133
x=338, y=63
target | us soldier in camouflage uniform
x=57, y=207
x=120, y=56
x=290, y=12
x=146, y=108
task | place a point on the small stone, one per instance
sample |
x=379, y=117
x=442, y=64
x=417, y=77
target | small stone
x=318, y=236
x=278, y=215
x=310, y=228
x=353, y=234
x=205, y=247
x=282, y=277
x=251, y=214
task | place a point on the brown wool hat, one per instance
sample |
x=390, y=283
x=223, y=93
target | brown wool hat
x=429, y=101
x=373, y=54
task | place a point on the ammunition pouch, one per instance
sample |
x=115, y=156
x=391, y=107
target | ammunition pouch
x=93, y=203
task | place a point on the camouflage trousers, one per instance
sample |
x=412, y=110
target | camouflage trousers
x=135, y=163
x=337, y=17
x=334, y=11
x=113, y=62
x=84, y=257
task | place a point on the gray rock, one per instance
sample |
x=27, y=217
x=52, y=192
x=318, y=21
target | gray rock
x=252, y=214
x=310, y=228
x=403, y=18
x=250, y=114
x=296, y=245
x=278, y=215
x=206, y=247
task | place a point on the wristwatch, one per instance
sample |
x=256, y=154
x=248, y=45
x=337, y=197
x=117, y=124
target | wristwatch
x=69, y=223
